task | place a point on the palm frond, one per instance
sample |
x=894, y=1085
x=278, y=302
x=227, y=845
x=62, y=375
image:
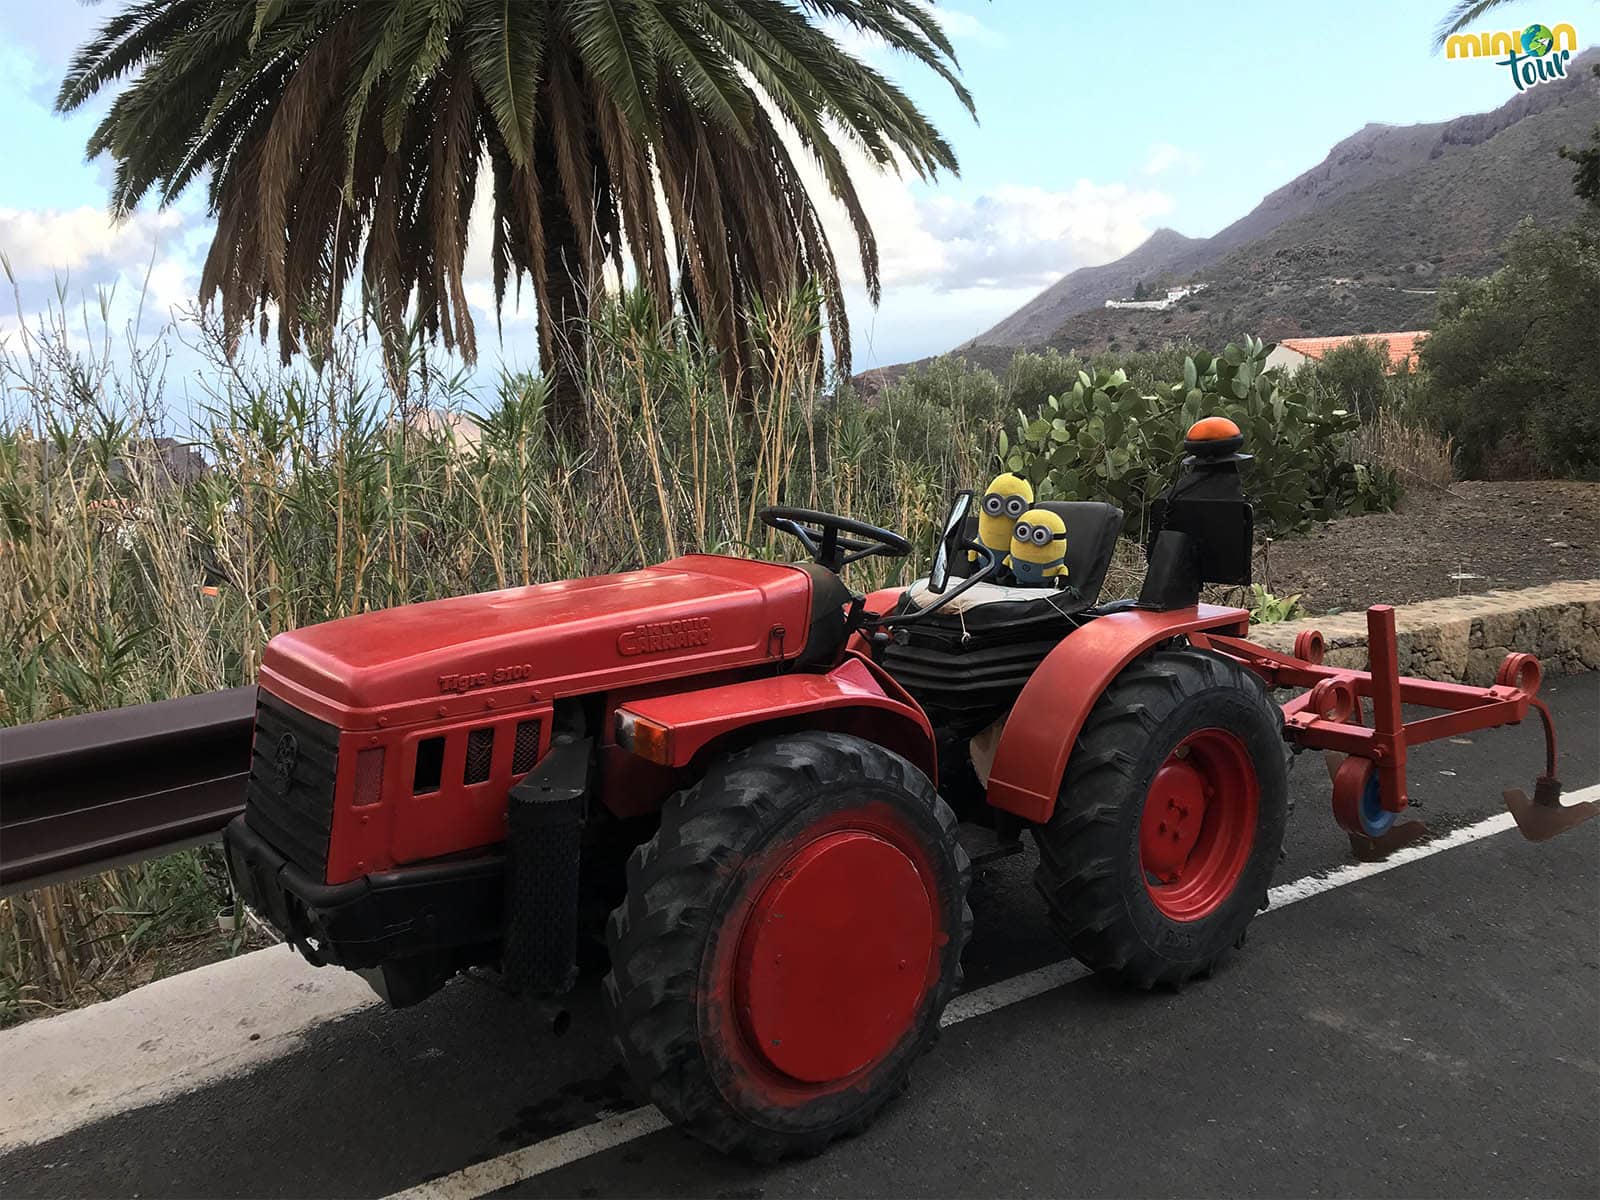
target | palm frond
x=505, y=44
x=1462, y=14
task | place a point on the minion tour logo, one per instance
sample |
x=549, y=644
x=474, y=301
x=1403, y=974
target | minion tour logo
x=1532, y=55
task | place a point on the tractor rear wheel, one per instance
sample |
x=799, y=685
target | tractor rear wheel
x=1170, y=819
x=789, y=940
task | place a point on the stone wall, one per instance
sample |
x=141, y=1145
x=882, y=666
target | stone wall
x=1465, y=638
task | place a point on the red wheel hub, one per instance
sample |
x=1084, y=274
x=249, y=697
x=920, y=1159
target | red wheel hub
x=1198, y=824
x=835, y=957
x=1173, y=815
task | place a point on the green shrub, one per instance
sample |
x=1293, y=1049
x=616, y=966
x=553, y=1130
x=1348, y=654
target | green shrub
x=1512, y=368
x=1354, y=376
x=1106, y=438
x=1032, y=377
x=946, y=382
x=954, y=383
x=1146, y=370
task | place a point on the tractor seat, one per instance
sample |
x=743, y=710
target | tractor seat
x=1092, y=529
x=966, y=663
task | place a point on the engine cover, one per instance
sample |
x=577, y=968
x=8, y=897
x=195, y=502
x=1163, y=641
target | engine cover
x=693, y=615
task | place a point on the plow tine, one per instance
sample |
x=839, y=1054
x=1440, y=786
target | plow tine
x=1544, y=816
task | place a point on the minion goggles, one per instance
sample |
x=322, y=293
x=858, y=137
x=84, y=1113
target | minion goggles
x=1039, y=535
x=996, y=504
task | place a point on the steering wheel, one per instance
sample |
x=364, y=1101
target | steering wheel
x=832, y=540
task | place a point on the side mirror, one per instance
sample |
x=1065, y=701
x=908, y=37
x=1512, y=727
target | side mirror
x=949, y=542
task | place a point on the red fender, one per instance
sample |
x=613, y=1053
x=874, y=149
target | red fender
x=855, y=697
x=1055, y=702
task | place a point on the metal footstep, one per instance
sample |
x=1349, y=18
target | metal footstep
x=1376, y=849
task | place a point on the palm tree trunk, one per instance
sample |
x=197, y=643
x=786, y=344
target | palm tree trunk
x=563, y=324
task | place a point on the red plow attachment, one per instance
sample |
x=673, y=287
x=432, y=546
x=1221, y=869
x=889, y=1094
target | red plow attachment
x=1367, y=760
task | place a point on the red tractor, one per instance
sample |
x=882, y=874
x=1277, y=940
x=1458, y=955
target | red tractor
x=747, y=781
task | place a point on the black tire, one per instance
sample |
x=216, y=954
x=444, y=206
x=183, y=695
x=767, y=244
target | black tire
x=691, y=889
x=1091, y=872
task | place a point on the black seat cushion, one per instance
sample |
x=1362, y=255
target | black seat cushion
x=1092, y=529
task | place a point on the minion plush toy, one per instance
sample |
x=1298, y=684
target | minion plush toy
x=1039, y=548
x=1007, y=498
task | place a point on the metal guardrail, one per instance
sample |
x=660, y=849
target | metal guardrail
x=80, y=794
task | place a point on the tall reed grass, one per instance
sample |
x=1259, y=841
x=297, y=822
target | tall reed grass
x=1407, y=446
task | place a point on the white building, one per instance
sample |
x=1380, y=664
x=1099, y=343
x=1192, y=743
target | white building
x=1173, y=296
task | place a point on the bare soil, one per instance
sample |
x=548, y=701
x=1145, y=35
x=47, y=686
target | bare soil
x=1477, y=537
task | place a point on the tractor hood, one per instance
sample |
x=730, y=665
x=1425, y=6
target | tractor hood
x=688, y=616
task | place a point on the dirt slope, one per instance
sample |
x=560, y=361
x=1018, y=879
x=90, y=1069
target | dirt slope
x=1478, y=537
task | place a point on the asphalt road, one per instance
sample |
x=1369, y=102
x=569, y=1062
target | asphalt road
x=1434, y=1030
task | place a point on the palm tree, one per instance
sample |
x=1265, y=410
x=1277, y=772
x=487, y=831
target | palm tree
x=660, y=135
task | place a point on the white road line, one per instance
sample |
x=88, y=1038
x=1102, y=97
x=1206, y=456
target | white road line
x=482, y=1178
x=1014, y=990
x=1314, y=885
x=496, y=1173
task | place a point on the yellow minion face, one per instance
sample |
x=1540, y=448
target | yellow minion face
x=1038, y=547
x=1007, y=498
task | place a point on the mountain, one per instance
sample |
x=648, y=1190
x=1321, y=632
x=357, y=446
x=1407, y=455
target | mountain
x=1165, y=252
x=1354, y=245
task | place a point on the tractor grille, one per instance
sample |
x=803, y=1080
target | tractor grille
x=289, y=799
x=480, y=755
x=526, y=751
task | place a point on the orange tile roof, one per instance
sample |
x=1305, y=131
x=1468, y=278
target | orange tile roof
x=1401, y=345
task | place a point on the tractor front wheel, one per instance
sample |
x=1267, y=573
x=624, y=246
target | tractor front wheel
x=789, y=940
x=1170, y=819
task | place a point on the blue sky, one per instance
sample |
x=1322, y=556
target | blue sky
x=1096, y=125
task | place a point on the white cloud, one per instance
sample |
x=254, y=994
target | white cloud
x=907, y=249
x=964, y=26
x=1009, y=236
x=43, y=242
x=949, y=266
x=1164, y=156
x=914, y=320
x=146, y=266
x=960, y=27
x=1015, y=236
x=48, y=42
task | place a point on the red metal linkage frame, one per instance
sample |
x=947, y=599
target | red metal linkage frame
x=1329, y=715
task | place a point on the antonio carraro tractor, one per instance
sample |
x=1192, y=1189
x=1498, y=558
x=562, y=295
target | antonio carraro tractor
x=745, y=781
